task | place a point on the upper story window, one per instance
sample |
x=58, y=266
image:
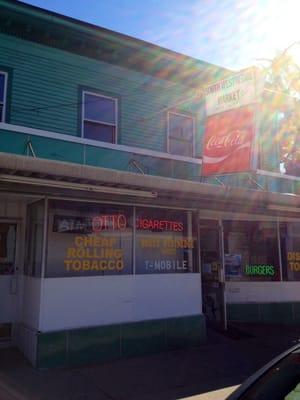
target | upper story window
x=99, y=117
x=3, y=83
x=181, y=133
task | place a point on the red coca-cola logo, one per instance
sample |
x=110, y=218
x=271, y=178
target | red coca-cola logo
x=231, y=139
x=228, y=142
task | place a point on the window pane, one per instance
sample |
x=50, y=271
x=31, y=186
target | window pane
x=35, y=233
x=180, y=148
x=99, y=109
x=165, y=242
x=2, y=82
x=290, y=250
x=87, y=239
x=95, y=131
x=1, y=112
x=7, y=248
x=251, y=251
x=180, y=127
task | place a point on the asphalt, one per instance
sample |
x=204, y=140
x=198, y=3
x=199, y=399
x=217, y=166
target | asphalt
x=209, y=372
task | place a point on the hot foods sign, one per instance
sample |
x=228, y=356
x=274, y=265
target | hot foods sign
x=228, y=142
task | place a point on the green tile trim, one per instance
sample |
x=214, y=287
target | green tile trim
x=287, y=313
x=98, y=344
x=248, y=312
x=273, y=313
x=52, y=349
x=145, y=337
x=93, y=345
x=185, y=332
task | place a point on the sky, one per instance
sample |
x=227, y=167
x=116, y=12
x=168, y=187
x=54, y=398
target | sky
x=231, y=33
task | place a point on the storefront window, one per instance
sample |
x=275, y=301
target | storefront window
x=210, y=250
x=35, y=234
x=87, y=239
x=7, y=248
x=165, y=241
x=251, y=251
x=290, y=250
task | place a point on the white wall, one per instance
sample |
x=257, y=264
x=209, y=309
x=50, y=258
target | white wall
x=262, y=292
x=11, y=208
x=98, y=300
x=31, y=302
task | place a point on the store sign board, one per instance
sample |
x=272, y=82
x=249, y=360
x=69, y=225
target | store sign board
x=93, y=244
x=164, y=242
x=102, y=244
x=228, y=142
x=294, y=260
x=95, y=224
x=260, y=270
x=236, y=91
x=115, y=222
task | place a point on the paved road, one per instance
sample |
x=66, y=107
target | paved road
x=209, y=372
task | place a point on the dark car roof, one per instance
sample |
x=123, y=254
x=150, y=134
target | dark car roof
x=253, y=378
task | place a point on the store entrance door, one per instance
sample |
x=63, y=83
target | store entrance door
x=212, y=273
x=8, y=279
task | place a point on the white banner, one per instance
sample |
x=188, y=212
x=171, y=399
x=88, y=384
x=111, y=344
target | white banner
x=236, y=91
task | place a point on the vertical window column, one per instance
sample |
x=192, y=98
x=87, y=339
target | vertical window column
x=99, y=117
x=181, y=134
x=3, y=86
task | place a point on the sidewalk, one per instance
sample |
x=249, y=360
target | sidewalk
x=209, y=372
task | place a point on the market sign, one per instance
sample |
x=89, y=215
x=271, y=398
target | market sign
x=236, y=91
x=228, y=142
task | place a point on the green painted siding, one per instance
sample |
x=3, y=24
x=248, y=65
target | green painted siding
x=13, y=143
x=60, y=150
x=46, y=86
x=45, y=93
x=99, y=344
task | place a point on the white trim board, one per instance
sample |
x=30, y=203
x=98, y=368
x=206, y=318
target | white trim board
x=277, y=175
x=76, y=139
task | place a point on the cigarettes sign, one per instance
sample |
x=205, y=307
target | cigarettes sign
x=234, y=92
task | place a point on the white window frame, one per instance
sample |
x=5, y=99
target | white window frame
x=83, y=119
x=168, y=131
x=4, y=96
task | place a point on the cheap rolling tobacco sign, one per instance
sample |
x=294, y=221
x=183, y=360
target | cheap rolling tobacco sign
x=230, y=124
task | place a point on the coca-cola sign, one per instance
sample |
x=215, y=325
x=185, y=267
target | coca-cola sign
x=228, y=142
x=231, y=139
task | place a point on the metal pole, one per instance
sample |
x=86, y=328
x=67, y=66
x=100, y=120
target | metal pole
x=223, y=288
x=43, y=266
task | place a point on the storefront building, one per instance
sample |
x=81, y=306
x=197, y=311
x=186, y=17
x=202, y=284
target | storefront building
x=112, y=243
